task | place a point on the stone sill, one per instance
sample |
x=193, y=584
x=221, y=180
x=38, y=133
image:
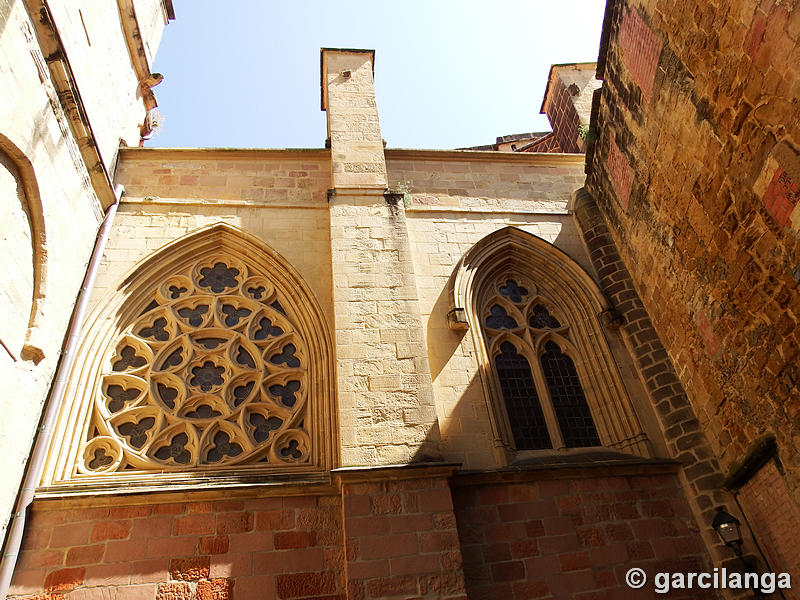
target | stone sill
x=581, y=466
x=178, y=487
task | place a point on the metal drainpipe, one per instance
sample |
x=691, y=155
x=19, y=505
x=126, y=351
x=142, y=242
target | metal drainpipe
x=36, y=464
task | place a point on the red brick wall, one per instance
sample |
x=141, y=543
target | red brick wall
x=548, y=143
x=640, y=50
x=401, y=540
x=563, y=117
x=781, y=196
x=385, y=537
x=399, y=529
x=573, y=538
x=620, y=172
x=259, y=548
x=769, y=508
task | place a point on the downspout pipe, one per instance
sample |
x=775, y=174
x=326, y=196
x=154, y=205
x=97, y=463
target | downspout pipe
x=33, y=473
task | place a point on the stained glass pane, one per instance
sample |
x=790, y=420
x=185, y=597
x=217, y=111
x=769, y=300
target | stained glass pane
x=513, y=291
x=542, y=319
x=569, y=402
x=499, y=319
x=522, y=401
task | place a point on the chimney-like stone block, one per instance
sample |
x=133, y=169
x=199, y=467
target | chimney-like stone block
x=348, y=97
x=387, y=413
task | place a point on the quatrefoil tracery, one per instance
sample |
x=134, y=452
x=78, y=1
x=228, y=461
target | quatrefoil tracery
x=212, y=373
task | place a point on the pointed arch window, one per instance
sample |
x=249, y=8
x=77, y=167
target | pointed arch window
x=202, y=378
x=541, y=348
x=213, y=358
x=533, y=363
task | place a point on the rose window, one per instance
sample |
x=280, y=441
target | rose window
x=211, y=374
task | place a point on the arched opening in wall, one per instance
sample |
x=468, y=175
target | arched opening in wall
x=547, y=370
x=212, y=362
x=22, y=254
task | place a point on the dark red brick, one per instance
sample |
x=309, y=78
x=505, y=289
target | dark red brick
x=190, y=569
x=508, y=571
x=64, y=580
x=301, y=585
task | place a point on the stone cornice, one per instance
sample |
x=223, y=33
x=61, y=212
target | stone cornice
x=524, y=158
x=589, y=469
x=227, y=153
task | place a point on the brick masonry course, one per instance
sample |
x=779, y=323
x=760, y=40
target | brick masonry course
x=572, y=538
x=200, y=550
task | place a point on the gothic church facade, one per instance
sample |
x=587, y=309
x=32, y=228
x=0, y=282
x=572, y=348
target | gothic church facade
x=359, y=372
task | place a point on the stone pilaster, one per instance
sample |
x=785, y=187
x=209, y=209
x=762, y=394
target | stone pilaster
x=387, y=413
x=348, y=97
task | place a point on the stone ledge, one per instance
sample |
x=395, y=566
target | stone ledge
x=171, y=487
x=762, y=450
x=395, y=472
x=577, y=466
x=163, y=200
x=248, y=153
x=530, y=158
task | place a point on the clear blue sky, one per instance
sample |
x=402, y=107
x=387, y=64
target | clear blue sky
x=448, y=73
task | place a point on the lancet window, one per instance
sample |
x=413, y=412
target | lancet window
x=533, y=362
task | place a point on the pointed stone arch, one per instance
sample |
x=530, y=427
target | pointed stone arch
x=555, y=279
x=178, y=373
x=17, y=165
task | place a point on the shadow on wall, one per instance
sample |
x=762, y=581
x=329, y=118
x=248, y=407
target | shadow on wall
x=442, y=341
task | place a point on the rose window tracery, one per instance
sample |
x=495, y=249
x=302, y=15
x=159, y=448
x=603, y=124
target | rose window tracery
x=212, y=373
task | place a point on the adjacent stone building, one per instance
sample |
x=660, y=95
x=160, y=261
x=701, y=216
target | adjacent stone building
x=515, y=371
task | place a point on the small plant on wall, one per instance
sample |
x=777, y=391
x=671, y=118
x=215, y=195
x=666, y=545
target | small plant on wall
x=587, y=133
x=403, y=187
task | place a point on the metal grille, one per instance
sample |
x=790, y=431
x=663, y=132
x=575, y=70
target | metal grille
x=572, y=410
x=522, y=401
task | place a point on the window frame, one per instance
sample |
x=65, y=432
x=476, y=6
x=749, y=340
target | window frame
x=574, y=297
x=124, y=305
x=532, y=341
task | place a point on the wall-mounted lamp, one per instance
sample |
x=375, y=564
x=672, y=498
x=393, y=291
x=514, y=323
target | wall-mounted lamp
x=346, y=73
x=728, y=528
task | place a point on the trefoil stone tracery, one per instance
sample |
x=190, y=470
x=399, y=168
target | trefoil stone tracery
x=531, y=356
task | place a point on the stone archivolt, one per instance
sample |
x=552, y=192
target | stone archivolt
x=214, y=363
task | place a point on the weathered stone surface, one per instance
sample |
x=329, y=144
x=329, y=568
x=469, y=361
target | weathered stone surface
x=709, y=229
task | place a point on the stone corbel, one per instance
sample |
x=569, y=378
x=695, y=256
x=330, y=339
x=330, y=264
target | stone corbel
x=457, y=319
x=610, y=319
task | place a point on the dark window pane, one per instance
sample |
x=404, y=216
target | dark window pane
x=542, y=319
x=513, y=291
x=499, y=319
x=572, y=410
x=522, y=401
